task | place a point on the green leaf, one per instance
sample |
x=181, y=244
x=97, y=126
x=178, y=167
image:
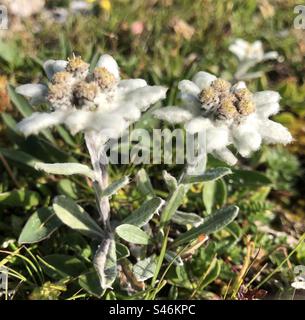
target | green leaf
x=145, y=269
x=19, y=198
x=66, y=136
x=75, y=217
x=247, y=178
x=144, y=184
x=90, y=282
x=209, y=175
x=142, y=215
x=121, y=251
x=179, y=277
x=60, y=265
x=210, y=275
x=20, y=102
x=65, y=169
x=115, y=186
x=132, y=234
x=19, y=156
x=211, y=223
x=105, y=262
x=173, y=204
x=214, y=194
x=185, y=218
x=9, y=51
x=39, y=226
x=35, y=145
x=68, y=188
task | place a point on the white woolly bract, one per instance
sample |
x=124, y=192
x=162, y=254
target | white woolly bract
x=39, y=121
x=203, y=79
x=107, y=62
x=173, y=114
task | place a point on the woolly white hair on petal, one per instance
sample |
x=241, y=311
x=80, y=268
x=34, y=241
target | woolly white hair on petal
x=106, y=61
x=143, y=97
x=273, y=132
x=217, y=138
x=32, y=90
x=188, y=87
x=267, y=110
x=257, y=47
x=52, y=66
x=239, y=47
x=246, y=135
x=239, y=85
x=272, y=55
x=198, y=124
x=173, y=114
x=129, y=113
x=131, y=84
x=79, y=120
x=59, y=65
x=225, y=155
x=112, y=124
x=264, y=97
x=299, y=284
x=39, y=121
x=103, y=103
x=203, y=79
x=82, y=120
x=247, y=141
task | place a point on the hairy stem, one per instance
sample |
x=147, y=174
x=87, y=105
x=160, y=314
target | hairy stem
x=98, y=158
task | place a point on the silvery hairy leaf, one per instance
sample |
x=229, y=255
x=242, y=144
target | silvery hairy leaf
x=143, y=215
x=105, y=261
x=114, y=187
x=171, y=182
x=132, y=234
x=65, y=169
x=184, y=218
x=75, y=217
x=145, y=269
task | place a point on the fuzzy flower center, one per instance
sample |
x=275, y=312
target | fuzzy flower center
x=59, y=96
x=76, y=88
x=104, y=78
x=62, y=77
x=224, y=102
x=84, y=93
x=78, y=67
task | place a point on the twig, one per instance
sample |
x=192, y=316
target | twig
x=9, y=170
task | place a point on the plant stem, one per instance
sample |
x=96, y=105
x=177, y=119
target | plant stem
x=98, y=160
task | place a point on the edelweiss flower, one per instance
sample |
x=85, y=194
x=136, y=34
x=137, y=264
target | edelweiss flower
x=230, y=115
x=84, y=100
x=246, y=51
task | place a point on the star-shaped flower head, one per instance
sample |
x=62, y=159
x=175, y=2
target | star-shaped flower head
x=246, y=51
x=85, y=101
x=229, y=114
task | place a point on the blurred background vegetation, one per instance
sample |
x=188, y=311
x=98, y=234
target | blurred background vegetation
x=162, y=41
